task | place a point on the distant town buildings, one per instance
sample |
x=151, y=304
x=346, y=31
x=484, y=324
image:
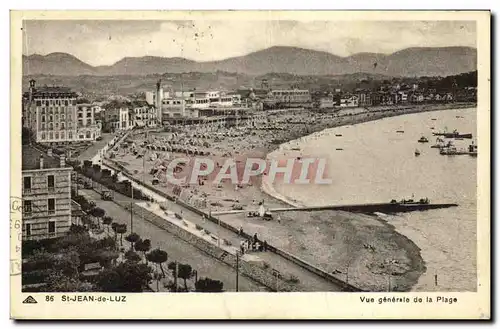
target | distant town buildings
x=46, y=194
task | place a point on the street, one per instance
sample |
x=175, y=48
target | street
x=177, y=249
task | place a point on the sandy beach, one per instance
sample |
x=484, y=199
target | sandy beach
x=364, y=250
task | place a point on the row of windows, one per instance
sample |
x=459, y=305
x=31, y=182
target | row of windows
x=55, y=135
x=290, y=92
x=51, y=228
x=28, y=206
x=27, y=183
x=50, y=102
x=51, y=110
x=56, y=117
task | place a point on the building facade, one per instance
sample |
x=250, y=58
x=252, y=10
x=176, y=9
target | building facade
x=144, y=115
x=46, y=192
x=51, y=114
x=117, y=118
x=291, y=96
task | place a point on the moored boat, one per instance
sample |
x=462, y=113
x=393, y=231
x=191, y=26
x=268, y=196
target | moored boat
x=423, y=140
x=454, y=134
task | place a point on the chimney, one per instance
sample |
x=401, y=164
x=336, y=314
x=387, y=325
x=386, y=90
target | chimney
x=41, y=162
x=62, y=161
x=49, y=152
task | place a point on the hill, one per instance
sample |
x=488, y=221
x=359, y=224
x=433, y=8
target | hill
x=441, y=61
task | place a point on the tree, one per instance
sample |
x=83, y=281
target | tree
x=114, y=227
x=60, y=283
x=132, y=256
x=126, y=277
x=158, y=256
x=106, y=220
x=121, y=229
x=185, y=272
x=143, y=246
x=98, y=213
x=208, y=285
x=132, y=238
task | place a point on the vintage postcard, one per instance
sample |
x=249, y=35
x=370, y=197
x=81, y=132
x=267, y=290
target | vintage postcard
x=250, y=165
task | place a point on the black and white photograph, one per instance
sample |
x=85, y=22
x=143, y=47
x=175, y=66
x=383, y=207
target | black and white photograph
x=213, y=155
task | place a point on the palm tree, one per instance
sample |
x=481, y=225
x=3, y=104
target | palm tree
x=121, y=229
x=132, y=238
x=185, y=272
x=114, y=227
x=159, y=257
x=98, y=213
x=106, y=220
x=144, y=246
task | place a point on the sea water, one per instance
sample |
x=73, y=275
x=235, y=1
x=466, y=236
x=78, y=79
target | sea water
x=378, y=164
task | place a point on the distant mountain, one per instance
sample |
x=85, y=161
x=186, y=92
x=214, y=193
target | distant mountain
x=441, y=61
x=56, y=64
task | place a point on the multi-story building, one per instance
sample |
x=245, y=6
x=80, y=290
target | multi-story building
x=291, y=96
x=52, y=116
x=116, y=118
x=87, y=127
x=144, y=115
x=46, y=192
x=364, y=99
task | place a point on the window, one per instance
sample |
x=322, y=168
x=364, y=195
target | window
x=51, y=135
x=88, y=134
x=52, y=227
x=42, y=126
x=89, y=114
x=27, y=184
x=62, y=125
x=43, y=118
x=28, y=229
x=50, y=182
x=63, y=135
x=66, y=102
x=80, y=114
x=27, y=208
x=43, y=136
x=51, y=203
x=38, y=103
x=70, y=135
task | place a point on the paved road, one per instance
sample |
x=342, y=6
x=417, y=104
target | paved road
x=309, y=281
x=89, y=153
x=177, y=249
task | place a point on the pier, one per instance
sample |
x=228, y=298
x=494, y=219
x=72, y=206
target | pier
x=387, y=208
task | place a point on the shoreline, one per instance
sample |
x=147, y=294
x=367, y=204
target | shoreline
x=417, y=263
x=330, y=240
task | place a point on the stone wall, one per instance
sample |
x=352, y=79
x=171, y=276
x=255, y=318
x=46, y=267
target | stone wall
x=264, y=276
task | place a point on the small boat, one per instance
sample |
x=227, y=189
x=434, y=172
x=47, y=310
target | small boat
x=338, y=135
x=339, y=149
x=432, y=128
x=417, y=153
x=400, y=131
x=423, y=140
x=433, y=119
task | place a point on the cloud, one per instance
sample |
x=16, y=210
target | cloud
x=105, y=42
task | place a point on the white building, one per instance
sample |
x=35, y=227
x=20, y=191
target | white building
x=53, y=116
x=117, y=118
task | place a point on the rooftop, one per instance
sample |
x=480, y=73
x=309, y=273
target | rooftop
x=31, y=159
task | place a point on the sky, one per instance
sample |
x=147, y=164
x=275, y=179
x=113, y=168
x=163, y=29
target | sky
x=104, y=42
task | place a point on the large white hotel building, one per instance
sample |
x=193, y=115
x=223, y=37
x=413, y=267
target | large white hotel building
x=53, y=115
